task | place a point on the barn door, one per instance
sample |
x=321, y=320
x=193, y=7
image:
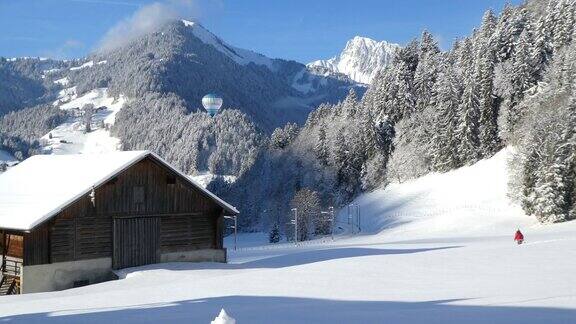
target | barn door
x=136, y=242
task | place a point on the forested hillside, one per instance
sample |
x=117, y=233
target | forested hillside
x=510, y=83
x=185, y=59
x=23, y=82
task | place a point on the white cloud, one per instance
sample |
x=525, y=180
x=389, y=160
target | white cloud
x=66, y=50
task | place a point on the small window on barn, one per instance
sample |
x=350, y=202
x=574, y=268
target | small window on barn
x=171, y=180
x=138, y=195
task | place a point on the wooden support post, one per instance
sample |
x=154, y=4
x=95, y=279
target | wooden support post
x=4, y=252
x=220, y=230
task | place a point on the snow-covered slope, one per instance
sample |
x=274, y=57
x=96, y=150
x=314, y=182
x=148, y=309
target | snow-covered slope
x=423, y=260
x=70, y=137
x=468, y=201
x=361, y=59
x=239, y=55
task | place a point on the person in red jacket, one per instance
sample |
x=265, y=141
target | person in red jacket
x=519, y=237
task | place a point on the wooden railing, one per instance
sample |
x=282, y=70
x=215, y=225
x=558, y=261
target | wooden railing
x=11, y=267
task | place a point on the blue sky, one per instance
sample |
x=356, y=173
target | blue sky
x=302, y=30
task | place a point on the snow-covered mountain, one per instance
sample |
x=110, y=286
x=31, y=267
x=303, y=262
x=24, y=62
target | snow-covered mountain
x=238, y=55
x=162, y=74
x=361, y=59
x=184, y=58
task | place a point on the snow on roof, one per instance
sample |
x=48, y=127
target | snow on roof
x=41, y=186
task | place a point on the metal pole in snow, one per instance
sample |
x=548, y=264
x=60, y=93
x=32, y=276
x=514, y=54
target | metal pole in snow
x=295, y=225
x=349, y=215
x=359, y=219
x=332, y=223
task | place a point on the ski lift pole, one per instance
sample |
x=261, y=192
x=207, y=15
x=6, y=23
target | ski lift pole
x=333, y=222
x=295, y=222
x=359, y=219
x=352, y=217
x=330, y=212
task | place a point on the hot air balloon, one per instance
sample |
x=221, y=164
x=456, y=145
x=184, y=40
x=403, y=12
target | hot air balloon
x=212, y=103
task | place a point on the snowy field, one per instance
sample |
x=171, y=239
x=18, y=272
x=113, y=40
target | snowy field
x=435, y=250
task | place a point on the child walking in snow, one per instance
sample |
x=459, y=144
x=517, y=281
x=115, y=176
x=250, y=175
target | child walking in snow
x=519, y=237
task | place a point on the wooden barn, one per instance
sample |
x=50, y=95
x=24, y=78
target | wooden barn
x=70, y=220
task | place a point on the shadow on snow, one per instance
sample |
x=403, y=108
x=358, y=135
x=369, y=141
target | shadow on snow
x=270, y=309
x=286, y=258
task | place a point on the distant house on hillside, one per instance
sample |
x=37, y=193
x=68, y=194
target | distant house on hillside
x=69, y=220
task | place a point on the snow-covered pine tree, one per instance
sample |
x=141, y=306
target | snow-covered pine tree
x=426, y=71
x=564, y=23
x=549, y=204
x=282, y=137
x=468, y=124
x=444, y=143
x=505, y=31
x=488, y=103
x=274, y=235
x=321, y=147
x=349, y=105
x=522, y=77
x=88, y=111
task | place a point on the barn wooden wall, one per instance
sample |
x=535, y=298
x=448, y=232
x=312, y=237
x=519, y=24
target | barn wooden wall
x=13, y=243
x=189, y=220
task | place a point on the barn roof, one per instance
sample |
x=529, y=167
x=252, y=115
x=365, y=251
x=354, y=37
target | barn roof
x=42, y=185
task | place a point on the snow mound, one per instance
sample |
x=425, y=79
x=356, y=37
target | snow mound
x=471, y=200
x=223, y=318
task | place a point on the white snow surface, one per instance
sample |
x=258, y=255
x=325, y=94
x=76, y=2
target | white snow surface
x=361, y=59
x=468, y=201
x=239, y=55
x=412, y=263
x=63, y=81
x=204, y=178
x=83, y=66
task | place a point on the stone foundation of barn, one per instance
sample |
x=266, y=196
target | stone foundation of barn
x=65, y=275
